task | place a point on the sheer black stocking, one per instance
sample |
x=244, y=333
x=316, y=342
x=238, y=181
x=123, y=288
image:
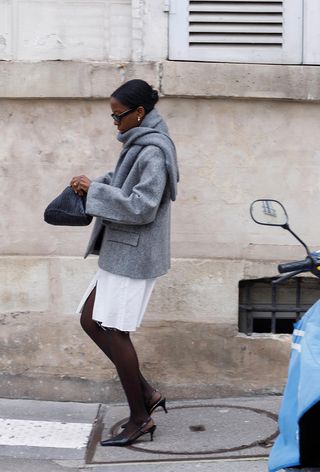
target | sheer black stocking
x=119, y=349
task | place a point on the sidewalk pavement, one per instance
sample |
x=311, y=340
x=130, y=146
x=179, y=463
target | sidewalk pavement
x=219, y=435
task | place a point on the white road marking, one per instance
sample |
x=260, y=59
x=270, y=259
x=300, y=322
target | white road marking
x=44, y=434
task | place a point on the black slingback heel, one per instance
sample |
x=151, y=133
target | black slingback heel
x=148, y=427
x=161, y=402
x=151, y=407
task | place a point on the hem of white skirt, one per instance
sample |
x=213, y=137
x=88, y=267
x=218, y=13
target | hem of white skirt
x=113, y=326
x=91, y=287
x=86, y=295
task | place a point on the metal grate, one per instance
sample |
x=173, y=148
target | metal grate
x=236, y=23
x=268, y=308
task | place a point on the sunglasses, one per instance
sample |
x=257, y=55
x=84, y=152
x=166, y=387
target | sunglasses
x=118, y=118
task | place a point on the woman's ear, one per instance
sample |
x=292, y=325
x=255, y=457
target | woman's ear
x=141, y=112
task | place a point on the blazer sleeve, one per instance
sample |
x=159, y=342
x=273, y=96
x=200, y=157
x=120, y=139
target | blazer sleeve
x=140, y=207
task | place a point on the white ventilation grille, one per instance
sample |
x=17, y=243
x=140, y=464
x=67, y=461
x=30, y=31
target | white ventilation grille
x=261, y=31
x=235, y=23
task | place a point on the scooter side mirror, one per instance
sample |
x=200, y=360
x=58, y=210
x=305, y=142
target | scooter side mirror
x=269, y=213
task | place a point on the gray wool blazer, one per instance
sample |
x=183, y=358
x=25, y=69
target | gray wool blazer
x=132, y=205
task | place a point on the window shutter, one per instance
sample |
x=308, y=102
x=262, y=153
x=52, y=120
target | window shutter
x=261, y=31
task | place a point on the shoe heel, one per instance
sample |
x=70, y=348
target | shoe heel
x=152, y=430
x=163, y=405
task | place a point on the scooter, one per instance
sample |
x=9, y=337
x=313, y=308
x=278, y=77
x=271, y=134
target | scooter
x=298, y=443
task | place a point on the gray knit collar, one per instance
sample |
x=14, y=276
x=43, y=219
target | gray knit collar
x=151, y=122
x=154, y=131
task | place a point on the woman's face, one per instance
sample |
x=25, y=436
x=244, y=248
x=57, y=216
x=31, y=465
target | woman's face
x=130, y=120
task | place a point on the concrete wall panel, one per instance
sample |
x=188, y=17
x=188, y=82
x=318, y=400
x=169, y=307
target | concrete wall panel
x=66, y=30
x=205, y=79
x=99, y=30
x=230, y=152
x=198, y=291
x=237, y=151
x=5, y=30
x=25, y=285
x=50, y=79
x=191, y=360
x=75, y=79
x=75, y=273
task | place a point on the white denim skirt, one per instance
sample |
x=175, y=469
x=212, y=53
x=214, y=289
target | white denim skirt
x=120, y=301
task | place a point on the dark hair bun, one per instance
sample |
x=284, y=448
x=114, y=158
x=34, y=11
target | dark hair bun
x=155, y=96
x=135, y=93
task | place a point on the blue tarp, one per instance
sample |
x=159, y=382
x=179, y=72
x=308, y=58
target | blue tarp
x=302, y=390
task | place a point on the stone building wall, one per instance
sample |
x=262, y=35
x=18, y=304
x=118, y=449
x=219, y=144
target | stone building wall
x=242, y=132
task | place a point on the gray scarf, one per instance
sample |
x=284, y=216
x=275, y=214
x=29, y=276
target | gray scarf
x=152, y=131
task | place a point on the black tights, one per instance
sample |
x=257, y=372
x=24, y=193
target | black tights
x=118, y=347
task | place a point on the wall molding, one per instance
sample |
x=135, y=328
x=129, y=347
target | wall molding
x=97, y=80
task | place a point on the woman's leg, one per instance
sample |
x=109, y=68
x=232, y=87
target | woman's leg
x=147, y=389
x=118, y=348
x=90, y=326
x=126, y=361
x=92, y=329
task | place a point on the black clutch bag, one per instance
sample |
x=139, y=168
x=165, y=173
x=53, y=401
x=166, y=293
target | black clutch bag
x=67, y=209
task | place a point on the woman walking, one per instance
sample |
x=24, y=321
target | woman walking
x=132, y=238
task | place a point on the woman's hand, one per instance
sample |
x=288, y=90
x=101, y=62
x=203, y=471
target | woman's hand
x=80, y=184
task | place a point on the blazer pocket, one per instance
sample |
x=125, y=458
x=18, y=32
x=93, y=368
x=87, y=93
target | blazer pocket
x=122, y=236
